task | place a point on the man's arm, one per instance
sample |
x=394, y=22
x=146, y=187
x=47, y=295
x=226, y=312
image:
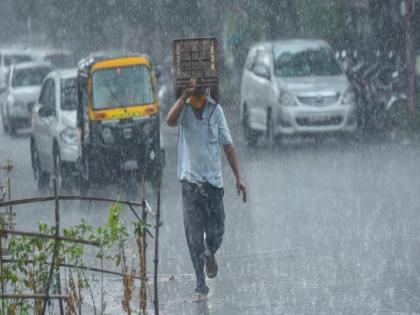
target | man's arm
x=230, y=153
x=175, y=111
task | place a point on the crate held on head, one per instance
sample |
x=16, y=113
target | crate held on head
x=196, y=58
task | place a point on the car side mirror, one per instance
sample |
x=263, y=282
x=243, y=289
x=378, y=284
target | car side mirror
x=45, y=111
x=261, y=71
x=158, y=72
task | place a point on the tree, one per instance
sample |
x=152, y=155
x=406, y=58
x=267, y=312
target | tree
x=322, y=19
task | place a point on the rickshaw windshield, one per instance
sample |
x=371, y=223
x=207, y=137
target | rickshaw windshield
x=121, y=87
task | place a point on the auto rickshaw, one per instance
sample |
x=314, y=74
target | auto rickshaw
x=118, y=122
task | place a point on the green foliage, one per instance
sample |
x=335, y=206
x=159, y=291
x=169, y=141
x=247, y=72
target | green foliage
x=319, y=19
x=115, y=225
x=32, y=256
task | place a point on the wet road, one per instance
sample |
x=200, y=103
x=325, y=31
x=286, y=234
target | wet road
x=330, y=228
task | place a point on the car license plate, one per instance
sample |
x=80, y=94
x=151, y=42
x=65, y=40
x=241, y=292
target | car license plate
x=318, y=118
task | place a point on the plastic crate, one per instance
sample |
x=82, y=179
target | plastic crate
x=196, y=58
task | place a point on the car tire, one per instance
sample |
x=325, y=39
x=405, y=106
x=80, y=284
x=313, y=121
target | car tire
x=157, y=182
x=3, y=121
x=5, y=128
x=251, y=136
x=132, y=186
x=60, y=173
x=84, y=183
x=381, y=123
x=269, y=134
x=42, y=177
x=43, y=180
x=157, y=173
x=12, y=127
x=34, y=159
x=272, y=139
x=155, y=167
x=84, y=186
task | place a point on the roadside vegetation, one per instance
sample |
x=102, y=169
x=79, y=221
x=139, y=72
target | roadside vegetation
x=28, y=266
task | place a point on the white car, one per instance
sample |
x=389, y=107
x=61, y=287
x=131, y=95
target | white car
x=53, y=142
x=59, y=58
x=23, y=85
x=292, y=87
x=9, y=57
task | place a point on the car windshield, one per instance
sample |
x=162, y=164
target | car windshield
x=13, y=59
x=29, y=76
x=61, y=61
x=68, y=94
x=124, y=86
x=308, y=62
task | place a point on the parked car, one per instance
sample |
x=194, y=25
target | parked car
x=59, y=58
x=53, y=143
x=292, y=87
x=22, y=89
x=9, y=57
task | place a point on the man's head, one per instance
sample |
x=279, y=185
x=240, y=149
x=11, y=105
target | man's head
x=197, y=88
x=197, y=98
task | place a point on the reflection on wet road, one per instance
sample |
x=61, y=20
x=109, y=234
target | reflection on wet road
x=330, y=227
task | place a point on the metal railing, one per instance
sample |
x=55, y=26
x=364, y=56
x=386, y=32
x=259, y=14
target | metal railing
x=146, y=210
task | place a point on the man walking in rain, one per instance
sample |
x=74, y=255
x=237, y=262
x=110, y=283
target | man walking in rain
x=203, y=129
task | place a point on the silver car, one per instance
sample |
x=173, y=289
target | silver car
x=23, y=83
x=292, y=87
x=53, y=142
x=11, y=56
x=59, y=58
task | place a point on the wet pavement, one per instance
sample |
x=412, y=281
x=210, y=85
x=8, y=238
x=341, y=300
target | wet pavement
x=330, y=227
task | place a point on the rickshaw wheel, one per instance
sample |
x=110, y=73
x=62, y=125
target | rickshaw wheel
x=132, y=187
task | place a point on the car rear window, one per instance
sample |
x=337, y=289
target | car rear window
x=61, y=61
x=29, y=76
x=13, y=59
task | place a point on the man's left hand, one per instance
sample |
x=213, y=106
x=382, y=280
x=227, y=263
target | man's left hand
x=240, y=187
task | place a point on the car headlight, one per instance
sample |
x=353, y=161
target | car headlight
x=69, y=136
x=286, y=99
x=15, y=102
x=10, y=99
x=107, y=136
x=348, y=98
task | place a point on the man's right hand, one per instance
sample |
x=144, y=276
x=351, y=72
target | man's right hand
x=187, y=92
x=175, y=111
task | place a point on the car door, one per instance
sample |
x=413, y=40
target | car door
x=3, y=95
x=8, y=91
x=37, y=120
x=261, y=77
x=247, y=80
x=50, y=124
x=46, y=105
